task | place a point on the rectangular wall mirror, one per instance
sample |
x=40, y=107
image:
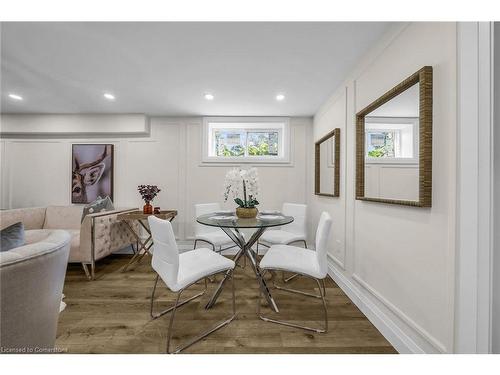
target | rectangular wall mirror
x=327, y=167
x=394, y=144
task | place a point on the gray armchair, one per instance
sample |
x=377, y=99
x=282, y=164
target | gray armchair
x=31, y=284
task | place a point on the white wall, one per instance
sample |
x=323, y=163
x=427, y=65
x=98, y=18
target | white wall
x=36, y=170
x=392, y=181
x=496, y=240
x=397, y=262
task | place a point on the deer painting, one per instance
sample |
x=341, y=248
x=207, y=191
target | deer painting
x=90, y=173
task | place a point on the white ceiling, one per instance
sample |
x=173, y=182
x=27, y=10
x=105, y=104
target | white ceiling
x=165, y=68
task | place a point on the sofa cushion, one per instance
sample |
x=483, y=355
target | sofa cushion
x=63, y=217
x=41, y=235
x=12, y=237
x=32, y=218
x=36, y=235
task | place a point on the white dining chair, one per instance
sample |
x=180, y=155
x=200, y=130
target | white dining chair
x=292, y=233
x=180, y=271
x=304, y=262
x=211, y=235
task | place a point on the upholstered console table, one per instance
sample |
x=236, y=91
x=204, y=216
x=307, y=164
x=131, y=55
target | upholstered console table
x=143, y=246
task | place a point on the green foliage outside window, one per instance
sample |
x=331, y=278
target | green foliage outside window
x=257, y=143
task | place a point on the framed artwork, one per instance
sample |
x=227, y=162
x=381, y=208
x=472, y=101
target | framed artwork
x=92, y=172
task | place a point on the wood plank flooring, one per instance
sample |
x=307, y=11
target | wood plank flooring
x=111, y=315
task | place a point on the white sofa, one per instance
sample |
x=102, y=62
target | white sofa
x=99, y=234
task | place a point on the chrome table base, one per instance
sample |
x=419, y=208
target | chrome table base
x=245, y=251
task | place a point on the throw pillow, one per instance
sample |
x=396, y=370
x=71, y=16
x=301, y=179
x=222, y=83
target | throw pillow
x=99, y=205
x=12, y=237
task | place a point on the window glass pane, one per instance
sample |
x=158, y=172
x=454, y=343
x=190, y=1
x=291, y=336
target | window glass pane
x=381, y=144
x=392, y=139
x=263, y=143
x=229, y=143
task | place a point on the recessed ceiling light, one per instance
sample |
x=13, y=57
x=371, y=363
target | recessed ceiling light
x=15, y=97
x=109, y=96
x=209, y=96
x=280, y=97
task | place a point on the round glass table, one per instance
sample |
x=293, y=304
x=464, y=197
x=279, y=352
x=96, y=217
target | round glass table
x=231, y=225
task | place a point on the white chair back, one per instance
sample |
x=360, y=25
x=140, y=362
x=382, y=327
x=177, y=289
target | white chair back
x=202, y=209
x=322, y=234
x=298, y=211
x=165, y=252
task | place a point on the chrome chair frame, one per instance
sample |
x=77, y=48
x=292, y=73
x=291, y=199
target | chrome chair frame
x=213, y=245
x=178, y=304
x=288, y=324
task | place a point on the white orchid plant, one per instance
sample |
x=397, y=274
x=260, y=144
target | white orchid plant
x=243, y=186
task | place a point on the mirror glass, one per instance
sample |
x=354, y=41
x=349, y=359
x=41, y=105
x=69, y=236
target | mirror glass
x=327, y=177
x=327, y=167
x=391, y=149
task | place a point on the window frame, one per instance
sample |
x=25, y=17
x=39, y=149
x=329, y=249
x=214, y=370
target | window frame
x=282, y=125
x=414, y=121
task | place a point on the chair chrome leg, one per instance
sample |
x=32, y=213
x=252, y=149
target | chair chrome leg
x=288, y=324
x=161, y=313
x=204, y=334
x=285, y=280
x=86, y=270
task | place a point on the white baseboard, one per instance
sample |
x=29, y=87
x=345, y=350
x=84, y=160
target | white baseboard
x=389, y=329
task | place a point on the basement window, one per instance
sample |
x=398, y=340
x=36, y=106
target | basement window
x=246, y=140
x=391, y=140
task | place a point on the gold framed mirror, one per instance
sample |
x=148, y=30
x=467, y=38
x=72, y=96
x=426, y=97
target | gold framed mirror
x=394, y=144
x=327, y=165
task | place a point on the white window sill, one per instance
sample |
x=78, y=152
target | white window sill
x=400, y=161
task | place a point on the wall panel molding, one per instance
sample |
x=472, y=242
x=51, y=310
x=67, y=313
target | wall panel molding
x=475, y=188
x=438, y=346
x=402, y=342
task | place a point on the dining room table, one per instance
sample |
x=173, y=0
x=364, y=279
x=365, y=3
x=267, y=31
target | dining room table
x=232, y=225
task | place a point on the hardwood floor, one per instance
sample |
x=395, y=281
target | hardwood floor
x=111, y=315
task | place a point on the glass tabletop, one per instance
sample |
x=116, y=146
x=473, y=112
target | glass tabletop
x=230, y=220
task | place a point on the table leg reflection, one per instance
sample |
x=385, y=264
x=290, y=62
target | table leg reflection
x=245, y=250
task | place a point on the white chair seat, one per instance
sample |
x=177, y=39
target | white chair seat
x=218, y=238
x=292, y=259
x=196, y=264
x=280, y=237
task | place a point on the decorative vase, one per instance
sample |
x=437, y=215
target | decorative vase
x=246, y=213
x=147, y=209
